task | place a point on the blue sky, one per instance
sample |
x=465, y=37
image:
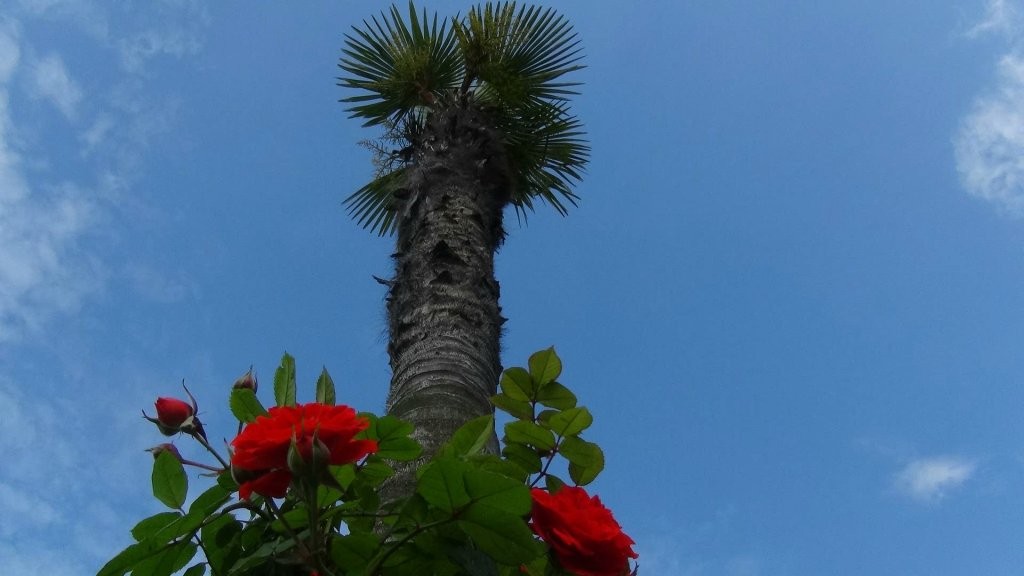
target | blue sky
x=793, y=294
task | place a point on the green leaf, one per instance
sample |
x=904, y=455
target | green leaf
x=571, y=422
x=473, y=561
x=325, y=388
x=245, y=406
x=522, y=456
x=284, y=381
x=553, y=483
x=393, y=441
x=228, y=483
x=125, y=560
x=504, y=537
x=214, y=497
x=518, y=409
x=354, y=551
x=259, y=556
x=400, y=449
x=343, y=475
x=496, y=493
x=441, y=484
x=399, y=66
x=222, y=542
x=168, y=561
x=524, y=432
x=179, y=527
x=197, y=570
x=148, y=527
x=296, y=518
x=513, y=64
x=169, y=481
x=557, y=396
x=517, y=384
x=498, y=465
x=586, y=460
x=471, y=438
x=545, y=367
x=375, y=471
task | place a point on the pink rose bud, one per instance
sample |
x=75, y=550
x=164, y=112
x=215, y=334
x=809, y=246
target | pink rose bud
x=161, y=448
x=247, y=380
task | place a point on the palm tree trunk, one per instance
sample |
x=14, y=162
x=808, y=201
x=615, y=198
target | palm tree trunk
x=443, y=312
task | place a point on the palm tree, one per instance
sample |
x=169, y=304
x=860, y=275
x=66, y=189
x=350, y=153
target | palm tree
x=475, y=117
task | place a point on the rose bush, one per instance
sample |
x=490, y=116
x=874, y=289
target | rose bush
x=581, y=532
x=299, y=491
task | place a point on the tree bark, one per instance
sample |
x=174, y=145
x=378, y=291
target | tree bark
x=443, y=312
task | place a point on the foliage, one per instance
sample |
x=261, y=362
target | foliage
x=507, y=61
x=469, y=515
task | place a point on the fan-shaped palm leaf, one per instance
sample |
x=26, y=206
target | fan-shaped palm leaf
x=400, y=66
x=509, y=61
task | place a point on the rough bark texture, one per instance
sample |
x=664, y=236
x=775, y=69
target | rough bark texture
x=443, y=311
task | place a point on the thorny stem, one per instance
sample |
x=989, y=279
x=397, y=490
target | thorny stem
x=199, y=541
x=210, y=449
x=551, y=458
x=554, y=450
x=419, y=530
x=201, y=465
x=288, y=528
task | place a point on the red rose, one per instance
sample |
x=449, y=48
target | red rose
x=581, y=532
x=172, y=412
x=260, y=459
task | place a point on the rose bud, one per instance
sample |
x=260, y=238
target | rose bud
x=247, y=381
x=161, y=448
x=171, y=415
x=308, y=456
x=172, y=412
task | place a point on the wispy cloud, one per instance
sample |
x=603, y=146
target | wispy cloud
x=37, y=230
x=50, y=221
x=50, y=81
x=1001, y=17
x=989, y=146
x=932, y=479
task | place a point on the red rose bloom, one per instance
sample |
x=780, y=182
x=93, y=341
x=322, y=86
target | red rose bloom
x=260, y=458
x=172, y=412
x=581, y=532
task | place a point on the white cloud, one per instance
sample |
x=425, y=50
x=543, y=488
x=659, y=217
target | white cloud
x=97, y=133
x=137, y=50
x=151, y=284
x=50, y=81
x=52, y=224
x=989, y=146
x=23, y=511
x=82, y=15
x=10, y=52
x=1001, y=16
x=931, y=479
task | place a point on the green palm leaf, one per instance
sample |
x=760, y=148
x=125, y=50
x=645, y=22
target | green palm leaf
x=518, y=56
x=400, y=66
x=509, y=61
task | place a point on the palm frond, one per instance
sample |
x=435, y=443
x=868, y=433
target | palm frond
x=509, y=61
x=518, y=57
x=398, y=65
x=547, y=149
x=372, y=206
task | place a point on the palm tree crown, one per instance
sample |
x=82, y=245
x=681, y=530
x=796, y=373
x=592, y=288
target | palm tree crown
x=505, y=61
